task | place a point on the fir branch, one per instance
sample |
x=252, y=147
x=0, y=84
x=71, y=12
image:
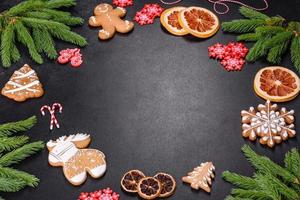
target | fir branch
x=69, y=36
x=278, y=39
x=60, y=3
x=266, y=166
x=37, y=14
x=29, y=179
x=251, y=194
x=24, y=7
x=292, y=163
x=20, y=154
x=14, y=127
x=295, y=52
x=270, y=30
x=44, y=41
x=43, y=24
x=11, y=184
x=243, y=182
x=275, y=53
x=7, y=40
x=257, y=50
x=249, y=37
x=235, y=198
x=242, y=25
x=252, y=14
x=15, y=54
x=11, y=143
x=25, y=38
x=275, y=21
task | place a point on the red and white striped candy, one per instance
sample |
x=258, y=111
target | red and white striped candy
x=53, y=120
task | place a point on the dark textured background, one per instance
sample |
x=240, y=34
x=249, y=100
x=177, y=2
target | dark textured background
x=151, y=101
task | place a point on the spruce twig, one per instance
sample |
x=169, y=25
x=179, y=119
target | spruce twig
x=11, y=184
x=29, y=179
x=11, y=143
x=14, y=127
x=20, y=154
x=35, y=17
x=270, y=180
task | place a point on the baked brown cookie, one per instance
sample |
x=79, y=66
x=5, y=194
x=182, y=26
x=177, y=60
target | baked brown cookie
x=23, y=84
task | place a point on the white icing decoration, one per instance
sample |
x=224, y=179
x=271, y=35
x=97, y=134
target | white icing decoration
x=22, y=87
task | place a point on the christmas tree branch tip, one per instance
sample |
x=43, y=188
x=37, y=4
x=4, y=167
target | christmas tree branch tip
x=20, y=126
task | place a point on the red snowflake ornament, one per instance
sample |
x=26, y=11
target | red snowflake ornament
x=153, y=10
x=143, y=18
x=217, y=51
x=123, y=3
x=233, y=63
x=236, y=49
x=105, y=194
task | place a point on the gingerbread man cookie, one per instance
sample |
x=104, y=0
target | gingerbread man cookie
x=110, y=21
x=68, y=152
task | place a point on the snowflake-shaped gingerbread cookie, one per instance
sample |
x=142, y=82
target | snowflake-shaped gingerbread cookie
x=271, y=124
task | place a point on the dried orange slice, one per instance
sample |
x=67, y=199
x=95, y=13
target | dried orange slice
x=149, y=188
x=199, y=22
x=168, y=184
x=276, y=84
x=131, y=179
x=169, y=19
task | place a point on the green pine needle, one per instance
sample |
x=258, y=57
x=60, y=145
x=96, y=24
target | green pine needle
x=292, y=163
x=20, y=154
x=275, y=53
x=242, y=25
x=243, y=182
x=11, y=143
x=45, y=42
x=60, y=3
x=29, y=179
x=278, y=39
x=69, y=36
x=11, y=184
x=20, y=126
x=252, y=14
x=251, y=194
x=257, y=51
x=7, y=40
x=270, y=30
x=249, y=37
x=25, y=38
x=43, y=24
x=295, y=52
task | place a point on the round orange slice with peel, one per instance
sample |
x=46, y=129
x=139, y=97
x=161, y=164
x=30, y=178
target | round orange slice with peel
x=130, y=180
x=199, y=21
x=168, y=184
x=169, y=20
x=149, y=188
x=277, y=84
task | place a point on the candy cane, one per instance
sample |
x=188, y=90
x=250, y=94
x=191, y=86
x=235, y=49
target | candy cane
x=224, y=4
x=52, y=113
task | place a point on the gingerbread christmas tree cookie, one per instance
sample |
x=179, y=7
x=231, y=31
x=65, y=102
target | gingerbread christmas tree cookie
x=201, y=177
x=269, y=123
x=23, y=84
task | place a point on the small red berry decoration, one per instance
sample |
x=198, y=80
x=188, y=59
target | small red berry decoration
x=148, y=14
x=105, y=194
x=232, y=56
x=70, y=55
x=123, y=3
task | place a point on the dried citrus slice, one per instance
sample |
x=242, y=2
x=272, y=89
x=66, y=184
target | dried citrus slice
x=169, y=19
x=276, y=84
x=149, y=188
x=199, y=22
x=131, y=179
x=168, y=184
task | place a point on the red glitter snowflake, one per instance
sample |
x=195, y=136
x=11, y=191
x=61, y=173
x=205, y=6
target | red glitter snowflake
x=232, y=63
x=105, y=194
x=232, y=56
x=143, y=18
x=123, y=3
x=217, y=51
x=153, y=10
x=236, y=49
